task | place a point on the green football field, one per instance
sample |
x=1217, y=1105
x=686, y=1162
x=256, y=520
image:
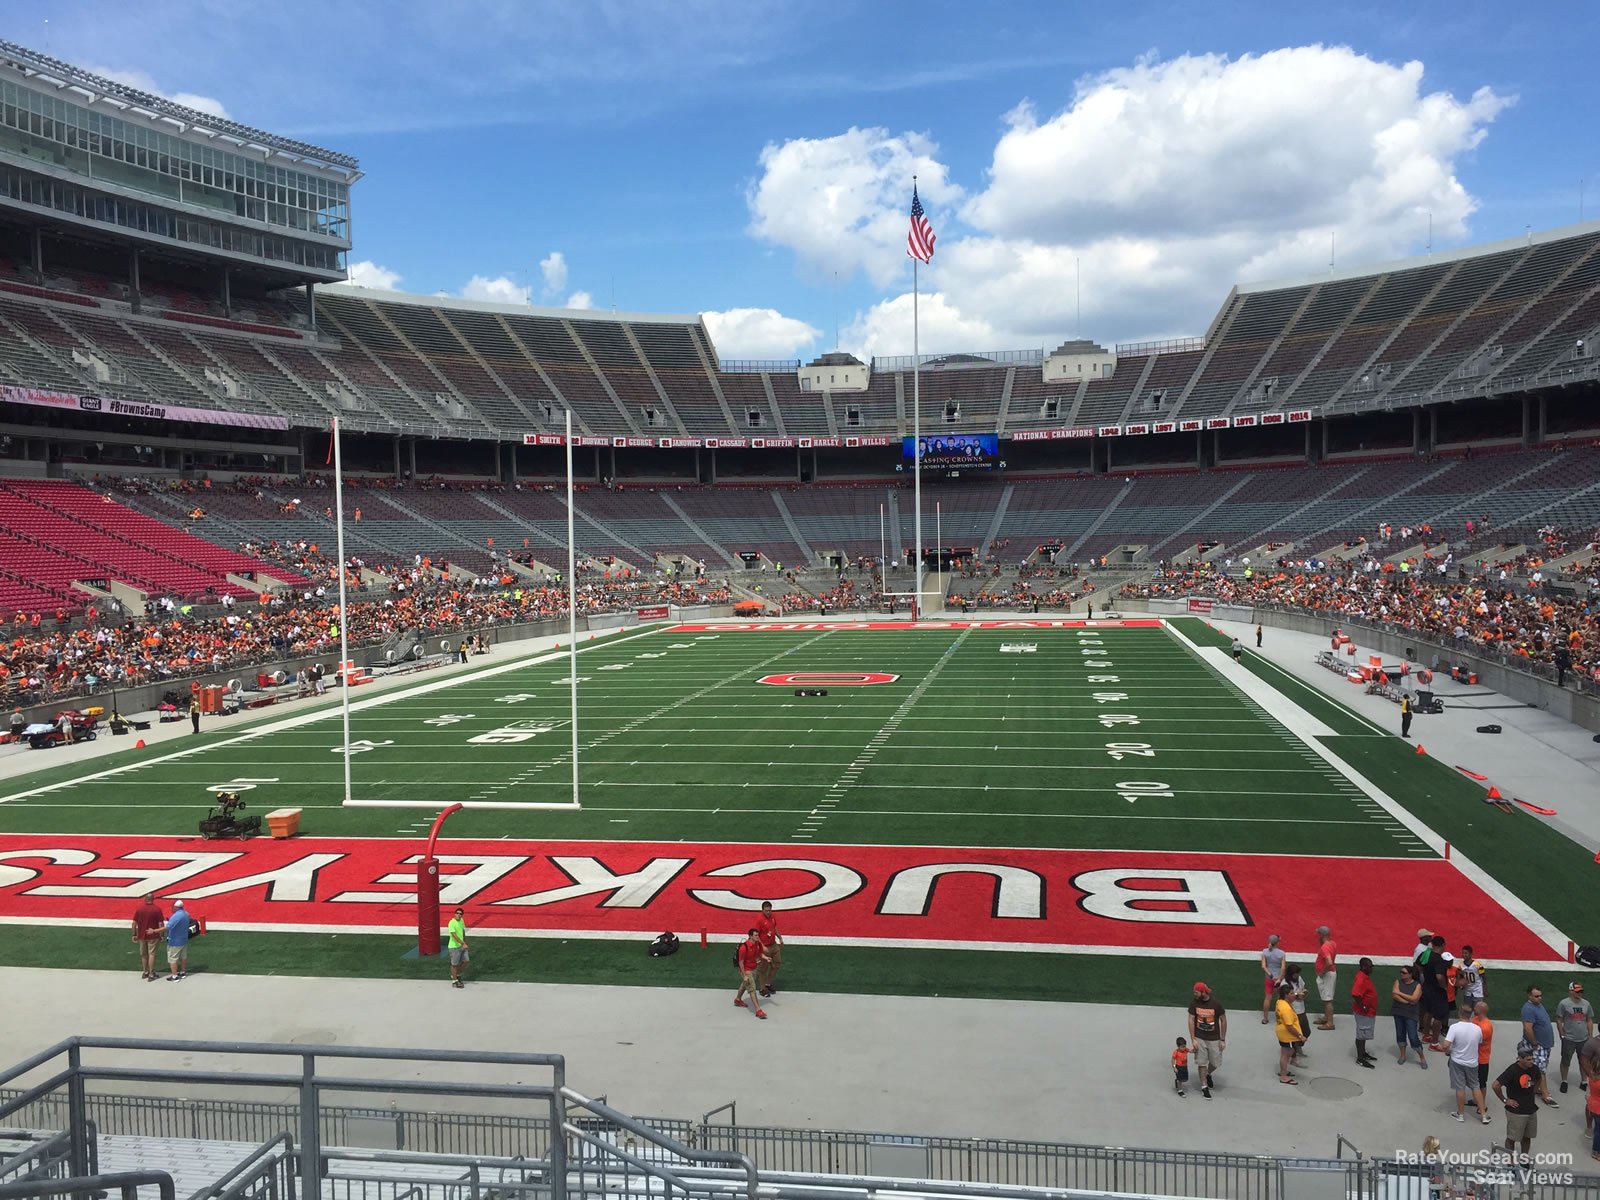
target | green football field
x=969, y=745
x=985, y=805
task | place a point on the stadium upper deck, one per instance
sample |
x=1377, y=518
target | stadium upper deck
x=1501, y=318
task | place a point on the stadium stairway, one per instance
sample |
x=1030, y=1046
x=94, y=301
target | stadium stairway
x=696, y=530
x=808, y=555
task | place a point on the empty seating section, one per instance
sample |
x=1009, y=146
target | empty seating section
x=745, y=392
x=1575, y=314
x=875, y=409
x=368, y=336
x=547, y=511
x=1329, y=309
x=847, y=519
x=1156, y=507
x=240, y=359
x=1469, y=281
x=742, y=519
x=1261, y=317
x=1056, y=510
x=638, y=518
x=616, y=359
x=26, y=361
x=1532, y=276
x=548, y=341
x=1372, y=324
x=1262, y=506
x=1030, y=391
x=489, y=337
x=803, y=412
x=111, y=541
x=1555, y=493
x=427, y=330
x=672, y=355
x=975, y=391
x=961, y=513
x=1169, y=375
x=1105, y=399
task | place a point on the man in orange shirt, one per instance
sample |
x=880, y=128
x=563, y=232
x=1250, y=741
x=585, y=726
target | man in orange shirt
x=1325, y=969
x=1480, y=1018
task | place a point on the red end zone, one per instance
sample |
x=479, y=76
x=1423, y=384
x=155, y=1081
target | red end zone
x=792, y=626
x=999, y=899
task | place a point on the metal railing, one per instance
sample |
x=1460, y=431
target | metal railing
x=958, y=361
x=1169, y=346
x=351, y=1153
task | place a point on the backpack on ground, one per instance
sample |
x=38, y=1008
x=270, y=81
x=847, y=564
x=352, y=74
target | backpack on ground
x=1588, y=956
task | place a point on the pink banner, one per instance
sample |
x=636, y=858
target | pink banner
x=41, y=398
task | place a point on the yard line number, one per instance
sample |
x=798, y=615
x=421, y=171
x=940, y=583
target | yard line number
x=1098, y=660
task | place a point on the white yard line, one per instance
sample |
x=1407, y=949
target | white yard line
x=643, y=935
x=1297, y=719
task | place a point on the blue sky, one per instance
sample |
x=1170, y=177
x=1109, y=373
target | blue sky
x=751, y=159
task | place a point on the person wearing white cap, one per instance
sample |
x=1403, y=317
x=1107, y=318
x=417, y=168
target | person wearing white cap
x=177, y=943
x=1575, y=1019
x=1424, y=939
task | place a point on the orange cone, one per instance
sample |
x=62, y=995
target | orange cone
x=1494, y=793
x=1421, y=749
x=1597, y=858
x=139, y=745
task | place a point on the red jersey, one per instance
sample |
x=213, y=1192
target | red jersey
x=1327, y=956
x=1180, y=1058
x=148, y=922
x=767, y=929
x=749, y=955
x=1364, y=996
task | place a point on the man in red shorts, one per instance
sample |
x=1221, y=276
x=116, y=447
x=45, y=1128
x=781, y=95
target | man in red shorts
x=771, y=946
x=751, y=957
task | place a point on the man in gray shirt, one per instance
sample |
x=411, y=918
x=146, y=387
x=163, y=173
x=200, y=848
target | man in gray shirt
x=1575, y=1019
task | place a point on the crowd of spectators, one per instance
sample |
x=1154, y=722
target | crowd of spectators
x=1481, y=611
x=43, y=664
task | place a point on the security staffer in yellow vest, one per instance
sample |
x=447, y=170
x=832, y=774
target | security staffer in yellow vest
x=1405, y=716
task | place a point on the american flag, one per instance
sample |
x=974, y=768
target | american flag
x=919, y=244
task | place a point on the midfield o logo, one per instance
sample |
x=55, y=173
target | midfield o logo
x=827, y=679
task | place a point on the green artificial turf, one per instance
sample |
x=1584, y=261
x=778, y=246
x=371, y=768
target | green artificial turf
x=1539, y=864
x=969, y=747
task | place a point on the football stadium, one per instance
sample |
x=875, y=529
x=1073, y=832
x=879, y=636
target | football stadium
x=1028, y=702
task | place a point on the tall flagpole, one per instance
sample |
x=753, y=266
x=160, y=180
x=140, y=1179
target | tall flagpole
x=344, y=624
x=916, y=427
x=572, y=610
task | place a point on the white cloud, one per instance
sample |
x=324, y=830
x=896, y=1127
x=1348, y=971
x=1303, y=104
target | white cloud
x=580, y=300
x=1165, y=181
x=500, y=290
x=843, y=203
x=138, y=79
x=553, y=267
x=758, y=333
x=367, y=273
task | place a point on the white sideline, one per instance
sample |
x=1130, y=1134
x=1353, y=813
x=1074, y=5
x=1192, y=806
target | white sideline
x=323, y=714
x=1308, y=729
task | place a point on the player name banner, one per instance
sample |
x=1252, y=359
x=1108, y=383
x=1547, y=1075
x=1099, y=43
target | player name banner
x=111, y=407
x=652, y=612
x=940, y=897
x=1200, y=606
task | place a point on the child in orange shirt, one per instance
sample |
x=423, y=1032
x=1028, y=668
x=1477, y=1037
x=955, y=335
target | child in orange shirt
x=1180, y=1066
